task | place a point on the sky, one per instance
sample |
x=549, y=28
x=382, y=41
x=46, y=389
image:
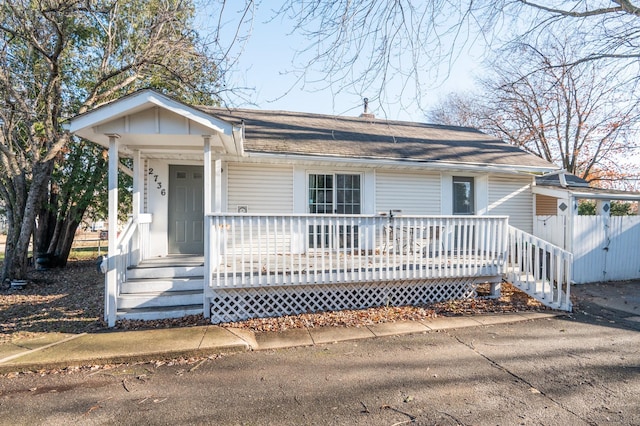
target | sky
x=263, y=72
x=265, y=67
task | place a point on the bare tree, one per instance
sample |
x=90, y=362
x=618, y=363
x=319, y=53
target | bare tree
x=457, y=109
x=553, y=106
x=385, y=50
x=392, y=50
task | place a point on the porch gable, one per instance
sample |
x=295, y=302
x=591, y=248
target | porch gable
x=154, y=124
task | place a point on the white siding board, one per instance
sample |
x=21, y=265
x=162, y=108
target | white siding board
x=511, y=196
x=262, y=188
x=413, y=193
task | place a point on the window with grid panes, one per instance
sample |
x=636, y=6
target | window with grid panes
x=334, y=193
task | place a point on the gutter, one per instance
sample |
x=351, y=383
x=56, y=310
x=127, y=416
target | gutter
x=404, y=163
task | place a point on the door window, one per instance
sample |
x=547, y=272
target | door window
x=334, y=194
x=463, y=199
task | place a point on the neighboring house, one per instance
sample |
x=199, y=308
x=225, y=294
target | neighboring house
x=242, y=213
x=604, y=247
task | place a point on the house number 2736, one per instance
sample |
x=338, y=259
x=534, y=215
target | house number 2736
x=156, y=182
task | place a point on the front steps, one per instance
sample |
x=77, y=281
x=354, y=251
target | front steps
x=545, y=292
x=162, y=288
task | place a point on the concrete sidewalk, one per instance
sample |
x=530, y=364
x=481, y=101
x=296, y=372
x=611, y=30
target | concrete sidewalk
x=613, y=301
x=57, y=350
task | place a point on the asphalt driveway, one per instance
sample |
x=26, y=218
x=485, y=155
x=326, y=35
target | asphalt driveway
x=568, y=370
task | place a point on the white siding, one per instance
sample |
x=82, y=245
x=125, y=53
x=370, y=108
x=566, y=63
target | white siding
x=262, y=188
x=413, y=193
x=157, y=171
x=511, y=196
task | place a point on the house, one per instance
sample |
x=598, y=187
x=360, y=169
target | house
x=604, y=247
x=243, y=213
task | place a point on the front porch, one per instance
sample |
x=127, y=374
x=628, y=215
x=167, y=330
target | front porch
x=270, y=265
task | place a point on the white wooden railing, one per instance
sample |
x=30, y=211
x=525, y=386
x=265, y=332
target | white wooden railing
x=288, y=250
x=131, y=246
x=540, y=269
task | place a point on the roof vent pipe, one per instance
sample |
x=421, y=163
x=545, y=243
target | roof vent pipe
x=366, y=113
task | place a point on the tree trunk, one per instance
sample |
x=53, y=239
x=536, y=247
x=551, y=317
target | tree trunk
x=63, y=247
x=19, y=236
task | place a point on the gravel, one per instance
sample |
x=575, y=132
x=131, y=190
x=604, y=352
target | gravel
x=70, y=300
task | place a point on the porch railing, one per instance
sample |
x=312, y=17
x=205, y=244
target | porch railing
x=130, y=249
x=540, y=269
x=285, y=250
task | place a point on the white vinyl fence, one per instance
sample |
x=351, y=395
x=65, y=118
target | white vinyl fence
x=604, y=248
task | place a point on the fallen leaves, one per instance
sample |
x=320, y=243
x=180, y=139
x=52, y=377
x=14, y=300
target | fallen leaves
x=70, y=300
x=511, y=300
x=65, y=300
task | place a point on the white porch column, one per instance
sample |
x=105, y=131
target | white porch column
x=207, y=174
x=603, y=208
x=111, y=285
x=207, y=225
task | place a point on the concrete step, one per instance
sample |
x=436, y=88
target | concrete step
x=148, y=285
x=159, y=313
x=160, y=299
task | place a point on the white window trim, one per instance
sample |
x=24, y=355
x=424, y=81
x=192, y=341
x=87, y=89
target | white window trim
x=481, y=193
x=333, y=172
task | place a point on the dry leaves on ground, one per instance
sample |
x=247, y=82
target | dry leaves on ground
x=65, y=300
x=511, y=300
x=70, y=300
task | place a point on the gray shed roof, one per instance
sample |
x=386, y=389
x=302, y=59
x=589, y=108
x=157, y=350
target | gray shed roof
x=554, y=180
x=295, y=133
x=579, y=188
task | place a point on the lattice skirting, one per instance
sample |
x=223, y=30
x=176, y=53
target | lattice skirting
x=243, y=303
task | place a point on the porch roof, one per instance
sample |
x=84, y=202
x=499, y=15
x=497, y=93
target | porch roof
x=157, y=126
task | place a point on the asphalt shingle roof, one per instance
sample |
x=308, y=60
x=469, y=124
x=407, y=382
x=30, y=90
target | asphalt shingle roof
x=298, y=133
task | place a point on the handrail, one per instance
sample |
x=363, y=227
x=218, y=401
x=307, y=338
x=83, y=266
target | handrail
x=121, y=262
x=540, y=269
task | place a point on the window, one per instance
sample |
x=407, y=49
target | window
x=334, y=193
x=463, y=200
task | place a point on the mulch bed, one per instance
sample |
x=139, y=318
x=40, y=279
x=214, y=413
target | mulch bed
x=70, y=300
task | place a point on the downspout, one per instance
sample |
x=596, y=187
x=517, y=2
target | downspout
x=561, y=176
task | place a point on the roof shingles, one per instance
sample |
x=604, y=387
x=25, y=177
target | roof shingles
x=279, y=132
